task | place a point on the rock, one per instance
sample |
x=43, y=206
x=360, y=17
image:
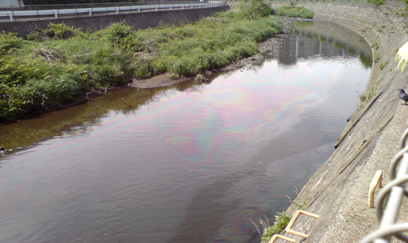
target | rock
x=204, y=80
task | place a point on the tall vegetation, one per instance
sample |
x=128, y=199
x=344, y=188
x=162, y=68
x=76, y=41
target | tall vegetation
x=294, y=12
x=54, y=65
x=254, y=8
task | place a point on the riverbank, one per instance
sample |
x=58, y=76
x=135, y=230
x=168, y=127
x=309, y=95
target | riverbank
x=55, y=65
x=338, y=190
x=265, y=48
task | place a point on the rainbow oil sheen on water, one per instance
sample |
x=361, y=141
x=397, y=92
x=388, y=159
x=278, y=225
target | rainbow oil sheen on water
x=189, y=163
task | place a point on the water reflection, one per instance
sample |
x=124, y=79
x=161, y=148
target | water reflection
x=311, y=38
x=187, y=163
x=78, y=119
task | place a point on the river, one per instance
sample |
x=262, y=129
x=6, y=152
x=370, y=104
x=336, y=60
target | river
x=188, y=163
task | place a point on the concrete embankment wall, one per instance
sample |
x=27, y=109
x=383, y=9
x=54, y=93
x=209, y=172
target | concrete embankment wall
x=338, y=190
x=138, y=20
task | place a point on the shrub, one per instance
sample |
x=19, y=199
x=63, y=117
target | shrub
x=255, y=8
x=59, y=31
x=9, y=41
x=295, y=12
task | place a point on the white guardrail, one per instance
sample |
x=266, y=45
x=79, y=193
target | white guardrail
x=56, y=13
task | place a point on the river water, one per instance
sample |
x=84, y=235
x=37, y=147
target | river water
x=188, y=163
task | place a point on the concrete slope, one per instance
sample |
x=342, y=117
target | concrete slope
x=338, y=190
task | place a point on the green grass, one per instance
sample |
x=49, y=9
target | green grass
x=295, y=12
x=376, y=57
x=382, y=65
x=281, y=221
x=54, y=65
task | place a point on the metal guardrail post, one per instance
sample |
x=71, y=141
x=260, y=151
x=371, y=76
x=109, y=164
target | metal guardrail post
x=12, y=12
x=11, y=15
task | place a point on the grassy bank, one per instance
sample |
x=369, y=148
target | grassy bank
x=54, y=65
x=294, y=12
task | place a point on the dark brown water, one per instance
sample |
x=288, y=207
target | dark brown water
x=189, y=163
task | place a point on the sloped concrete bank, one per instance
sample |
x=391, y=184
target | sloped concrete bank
x=338, y=190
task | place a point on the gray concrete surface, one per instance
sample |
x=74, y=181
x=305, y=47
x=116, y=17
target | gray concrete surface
x=338, y=191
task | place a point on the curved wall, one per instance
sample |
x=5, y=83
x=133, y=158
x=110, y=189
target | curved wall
x=338, y=190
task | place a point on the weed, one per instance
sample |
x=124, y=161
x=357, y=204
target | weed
x=174, y=75
x=300, y=205
x=376, y=3
x=281, y=221
x=362, y=97
x=375, y=46
x=376, y=57
x=382, y=65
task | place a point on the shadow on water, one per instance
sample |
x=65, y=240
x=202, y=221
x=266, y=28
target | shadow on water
x=303, y=137
x=78, y=119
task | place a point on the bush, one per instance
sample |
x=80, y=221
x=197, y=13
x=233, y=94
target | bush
x=294, y=12
x=254, y=8
x=9, y=41
x=59, y=31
